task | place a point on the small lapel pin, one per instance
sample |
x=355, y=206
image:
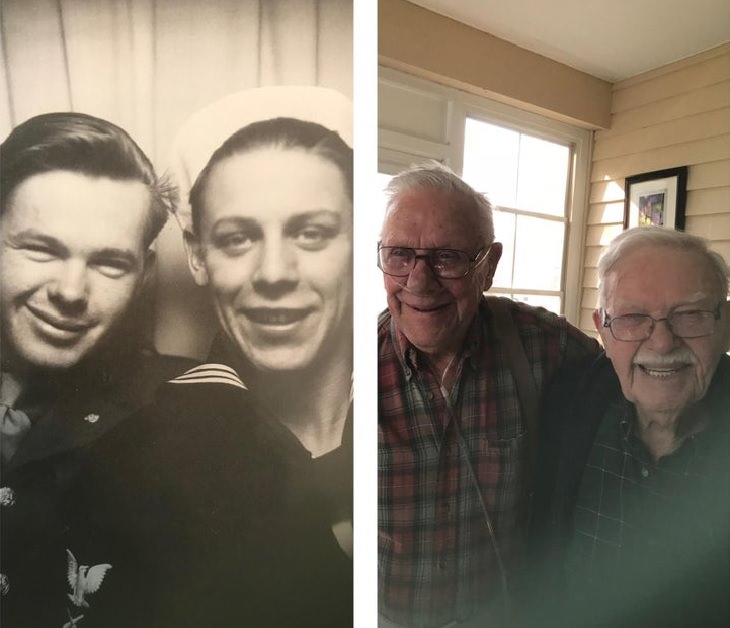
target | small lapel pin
x=7, y=496
x=4, y=584
x=84, y=579
x=91, y=418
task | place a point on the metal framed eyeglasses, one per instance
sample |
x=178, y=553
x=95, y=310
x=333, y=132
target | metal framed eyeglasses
x=683, y=324
x=399, y=261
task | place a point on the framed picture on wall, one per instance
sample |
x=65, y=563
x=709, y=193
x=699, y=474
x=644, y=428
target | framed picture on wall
x=656, y=198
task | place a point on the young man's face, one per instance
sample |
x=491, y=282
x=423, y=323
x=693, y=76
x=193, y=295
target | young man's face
x=71, y=258
x=276, y=253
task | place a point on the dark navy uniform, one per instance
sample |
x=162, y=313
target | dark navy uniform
x=206, y=510
x=69, y=412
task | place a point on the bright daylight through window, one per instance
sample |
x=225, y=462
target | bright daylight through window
x=526, y=178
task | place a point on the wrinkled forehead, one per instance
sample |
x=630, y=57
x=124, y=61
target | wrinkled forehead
x=431, y=218
x=657, y=276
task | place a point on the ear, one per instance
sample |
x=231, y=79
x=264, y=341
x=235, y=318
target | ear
x=603, y=332
x=149, y=271
x=493, y=257
x=597, y=320
x=725, y=322
x=196, y=258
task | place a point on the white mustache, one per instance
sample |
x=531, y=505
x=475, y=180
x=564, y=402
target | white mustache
x=667, y=360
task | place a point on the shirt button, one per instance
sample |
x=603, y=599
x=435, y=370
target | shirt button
x=443, y=563
x=645, y=472
x=429, y=396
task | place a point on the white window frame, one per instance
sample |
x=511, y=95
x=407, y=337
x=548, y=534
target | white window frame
x=398, y=150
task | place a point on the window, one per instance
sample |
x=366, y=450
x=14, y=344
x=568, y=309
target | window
x=533, y=169
x=526, y=178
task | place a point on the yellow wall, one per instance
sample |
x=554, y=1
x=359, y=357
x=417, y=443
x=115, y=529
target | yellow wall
x=422, y=43
x=672, y=116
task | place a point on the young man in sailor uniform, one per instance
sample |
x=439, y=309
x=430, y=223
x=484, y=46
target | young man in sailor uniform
x=226, y=502
x=80, y=205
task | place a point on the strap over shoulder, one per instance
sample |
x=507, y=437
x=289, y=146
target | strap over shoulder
x=506, y=332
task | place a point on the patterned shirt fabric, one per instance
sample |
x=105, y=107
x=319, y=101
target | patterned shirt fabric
x=437, y=563
x=646, y=523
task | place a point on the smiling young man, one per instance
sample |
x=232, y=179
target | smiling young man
x=228, y=501
x=80, y=205
x=453, y=421
x=635, y=480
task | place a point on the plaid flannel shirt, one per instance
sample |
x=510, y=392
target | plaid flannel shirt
x=641, y=527
x=436, y=562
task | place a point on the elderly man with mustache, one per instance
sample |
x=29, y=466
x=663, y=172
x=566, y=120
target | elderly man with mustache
x=634, y=484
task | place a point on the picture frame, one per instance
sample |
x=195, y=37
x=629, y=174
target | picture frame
x=656, y=198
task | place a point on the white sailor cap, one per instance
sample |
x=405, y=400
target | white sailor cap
x=207, y=129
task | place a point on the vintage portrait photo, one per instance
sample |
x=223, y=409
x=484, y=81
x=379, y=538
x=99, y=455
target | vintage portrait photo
x=176, y=275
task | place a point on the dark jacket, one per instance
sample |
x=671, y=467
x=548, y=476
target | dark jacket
x=574, y=409
x=78, y=409
x=199, y=504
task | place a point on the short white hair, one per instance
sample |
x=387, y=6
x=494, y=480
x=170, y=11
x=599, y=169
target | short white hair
x=434, y=175
x=646, y=236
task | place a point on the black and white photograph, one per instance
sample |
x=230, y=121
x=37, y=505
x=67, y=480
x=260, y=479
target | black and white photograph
x=176, y=254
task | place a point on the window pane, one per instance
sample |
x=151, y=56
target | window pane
x=491, y=156
x=543, y=176
x=538, y=253
x=504, y=232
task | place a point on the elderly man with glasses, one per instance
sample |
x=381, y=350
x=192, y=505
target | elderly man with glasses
x=460, y=378
x=632, y=501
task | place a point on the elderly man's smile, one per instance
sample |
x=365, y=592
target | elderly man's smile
x=425, y=305
x=428, y=309
x=664, y=367
x=664, y=371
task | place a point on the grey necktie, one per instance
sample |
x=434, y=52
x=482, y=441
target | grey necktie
x=15, y=423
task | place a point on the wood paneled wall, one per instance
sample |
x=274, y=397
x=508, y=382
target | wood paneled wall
x=672, y=116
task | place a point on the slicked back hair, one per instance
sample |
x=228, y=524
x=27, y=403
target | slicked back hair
x=84, y=144
x=281, y=133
